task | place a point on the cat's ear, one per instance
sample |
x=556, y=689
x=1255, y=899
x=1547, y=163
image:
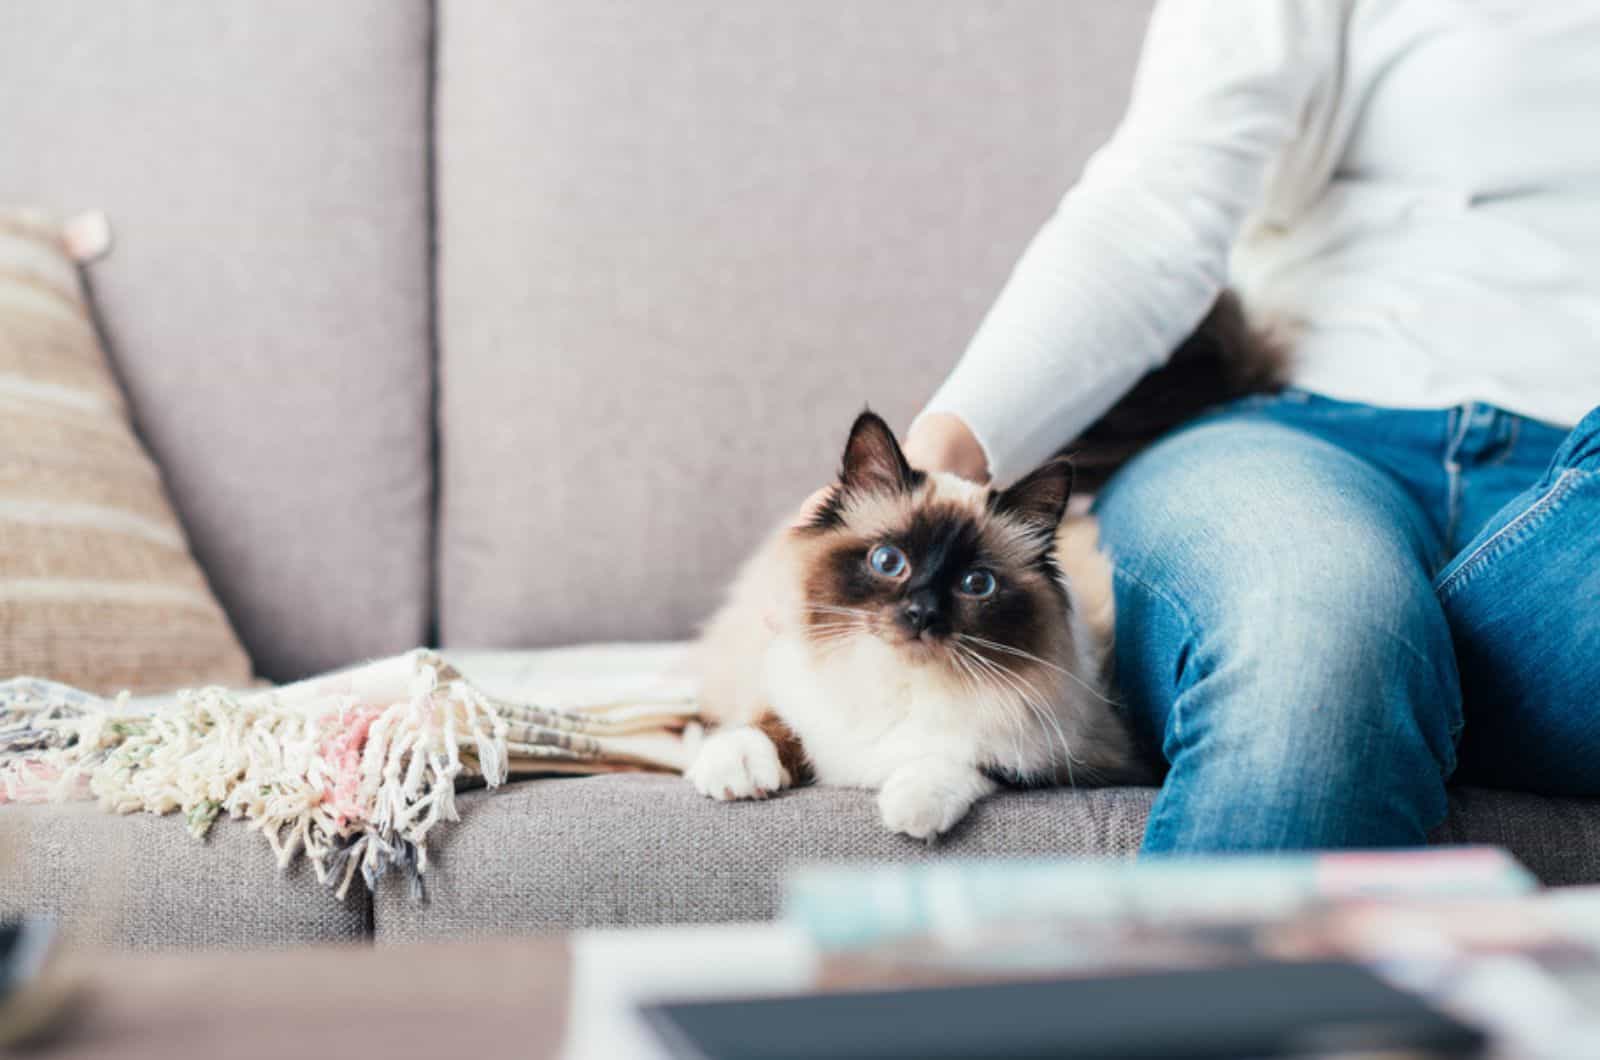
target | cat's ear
x=873, y=461
x=1039, y=499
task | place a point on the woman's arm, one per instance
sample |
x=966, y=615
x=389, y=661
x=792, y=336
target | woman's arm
x=1137, y=251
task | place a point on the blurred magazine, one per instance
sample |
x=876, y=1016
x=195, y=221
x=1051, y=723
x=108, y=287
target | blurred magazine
x=1466, y=927
x=851, y=906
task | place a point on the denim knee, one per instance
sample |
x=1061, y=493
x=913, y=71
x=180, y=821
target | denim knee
x=1290, y=578
x=1342, y=670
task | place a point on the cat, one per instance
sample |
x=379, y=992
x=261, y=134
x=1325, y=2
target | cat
x=933, y=639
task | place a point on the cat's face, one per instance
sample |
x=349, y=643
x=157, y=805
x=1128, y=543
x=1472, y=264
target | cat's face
x=941, y=569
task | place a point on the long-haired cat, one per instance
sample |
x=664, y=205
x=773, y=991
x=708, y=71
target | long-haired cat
x=932, y=639
x=920, y=635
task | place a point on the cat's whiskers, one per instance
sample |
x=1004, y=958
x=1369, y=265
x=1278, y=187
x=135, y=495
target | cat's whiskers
x=976, y=683
x=1014, y=713
x=969, y=677
x=1012, y=699
x=1064, y=671
x=832, y=624
x=829, y=635
x=835, y=609
x=1031, y=698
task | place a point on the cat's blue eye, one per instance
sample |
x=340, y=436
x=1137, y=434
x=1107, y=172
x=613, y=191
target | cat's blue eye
x=887, y=561
x=978, y=582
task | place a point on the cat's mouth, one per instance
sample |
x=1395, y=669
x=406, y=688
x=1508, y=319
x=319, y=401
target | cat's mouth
x=917, y=646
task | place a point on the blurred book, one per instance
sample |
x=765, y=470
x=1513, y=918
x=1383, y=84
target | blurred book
x=1466, y=928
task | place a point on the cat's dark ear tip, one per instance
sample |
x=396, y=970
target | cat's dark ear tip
x=866, y=420
x=1062, y=465
x=1041, y=495
x=872, y=456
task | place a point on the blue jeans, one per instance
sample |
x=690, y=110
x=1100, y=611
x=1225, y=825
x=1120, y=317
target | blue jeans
x=1320, y=604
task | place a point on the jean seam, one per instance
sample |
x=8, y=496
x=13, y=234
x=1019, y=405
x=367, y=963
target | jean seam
x=1188, y=632
x=1510, y=534
x=1163, y=804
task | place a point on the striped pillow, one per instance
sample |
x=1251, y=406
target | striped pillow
x=97, y=586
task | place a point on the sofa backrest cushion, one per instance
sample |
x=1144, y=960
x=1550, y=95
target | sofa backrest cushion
x=264, y=166
x=682, y=244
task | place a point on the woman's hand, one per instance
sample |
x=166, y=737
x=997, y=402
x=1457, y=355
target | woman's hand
x=941, y=441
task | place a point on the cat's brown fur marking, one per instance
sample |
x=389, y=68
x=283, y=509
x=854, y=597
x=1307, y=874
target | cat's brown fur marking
x=791, y=755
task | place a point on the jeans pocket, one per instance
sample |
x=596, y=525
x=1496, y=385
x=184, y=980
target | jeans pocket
x=1495, y=543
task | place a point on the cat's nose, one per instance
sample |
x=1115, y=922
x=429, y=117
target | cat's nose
x=920, y=612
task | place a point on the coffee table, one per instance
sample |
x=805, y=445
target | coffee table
x=535, y=997
x=572, y=996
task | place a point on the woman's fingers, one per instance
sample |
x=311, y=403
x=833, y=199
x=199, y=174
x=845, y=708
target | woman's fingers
x=942, y=441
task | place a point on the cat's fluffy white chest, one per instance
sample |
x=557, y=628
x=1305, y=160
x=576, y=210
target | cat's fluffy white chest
x=861, y=712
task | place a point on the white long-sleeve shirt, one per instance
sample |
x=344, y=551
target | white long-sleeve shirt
x=1412, y=185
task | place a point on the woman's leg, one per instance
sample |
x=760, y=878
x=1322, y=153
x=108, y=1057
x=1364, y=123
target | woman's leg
x=1523, y=600
x=1278, y=637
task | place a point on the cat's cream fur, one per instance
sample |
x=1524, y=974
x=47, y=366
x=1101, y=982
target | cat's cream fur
x=791, y=690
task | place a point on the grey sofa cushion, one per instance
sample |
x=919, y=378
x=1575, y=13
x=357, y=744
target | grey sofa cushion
x=556, y=855
x=632, y=850
x=681, y=244
x=142, y=882
x=1559, y=839
x=267, y=299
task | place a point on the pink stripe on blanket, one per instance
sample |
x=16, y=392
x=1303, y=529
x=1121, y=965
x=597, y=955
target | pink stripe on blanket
x=342, y=751
x=28, y=781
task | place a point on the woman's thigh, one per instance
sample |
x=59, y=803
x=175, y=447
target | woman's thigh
x=1279, y=640
x=1523, y=601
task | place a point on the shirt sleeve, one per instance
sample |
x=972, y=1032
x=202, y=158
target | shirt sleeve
x=1137, y=251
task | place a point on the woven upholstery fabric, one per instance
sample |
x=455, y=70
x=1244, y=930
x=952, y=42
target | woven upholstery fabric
x=97, y=586
x=555, y=855
x=266, y=301
x=142, y=882
x=681, y=244
x=1558, y=838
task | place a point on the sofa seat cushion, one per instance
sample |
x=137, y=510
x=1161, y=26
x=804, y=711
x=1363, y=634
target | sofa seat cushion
x=142, y=882
x=636, y=849
x=553, y=855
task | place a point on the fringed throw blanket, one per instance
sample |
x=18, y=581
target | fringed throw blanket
x=351, y=770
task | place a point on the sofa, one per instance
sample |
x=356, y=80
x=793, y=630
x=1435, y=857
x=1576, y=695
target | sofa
x=508, y=327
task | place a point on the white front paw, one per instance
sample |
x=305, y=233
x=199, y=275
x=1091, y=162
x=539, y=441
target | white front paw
x=924, y=804
x=737, y=763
